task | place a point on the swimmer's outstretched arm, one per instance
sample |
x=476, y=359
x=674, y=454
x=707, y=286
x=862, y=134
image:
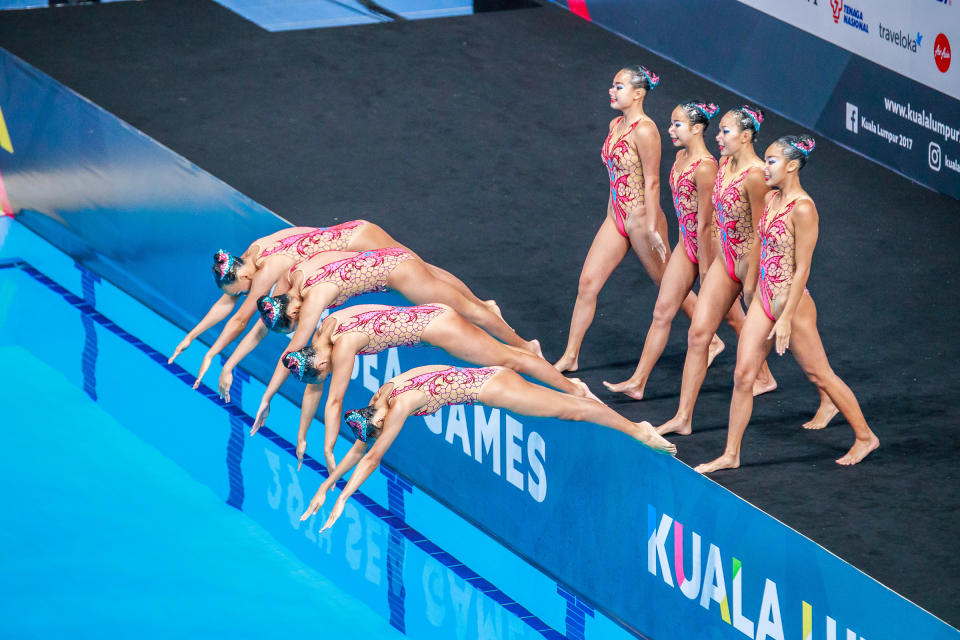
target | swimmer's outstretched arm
x=308, y=409
x=310, y=313
x=280, y=373
x=349, y=461
x=367, y=465
x=220, y=310
x=249, y=342
x=260, y=286
x=341, y=367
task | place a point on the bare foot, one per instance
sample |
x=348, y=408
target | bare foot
x=632, y=389
x=584, y=390
x=492, y=305
x=726, y=461
x=566, y=363
x=648, y=436
x=678, y=425
x=859, y=450
x=825, y=414
x=764, y=385
x=533, y=346
x=716, y=348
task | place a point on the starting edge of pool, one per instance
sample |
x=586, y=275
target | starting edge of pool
x=568, y=497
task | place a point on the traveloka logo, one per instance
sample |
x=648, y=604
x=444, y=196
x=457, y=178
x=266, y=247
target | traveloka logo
x=899, y=38
x=941, y=52
x=852, y=16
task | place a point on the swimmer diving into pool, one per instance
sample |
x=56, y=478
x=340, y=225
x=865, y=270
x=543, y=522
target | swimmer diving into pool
x=267, y=260
x=424, y=390
x=372, y=328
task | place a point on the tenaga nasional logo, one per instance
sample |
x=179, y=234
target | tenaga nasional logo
x=899, y=38
x=941, y=52
x=852, y=16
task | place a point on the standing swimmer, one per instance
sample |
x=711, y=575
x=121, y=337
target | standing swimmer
x=784, y=314
x=691, y=179
x=631, y=153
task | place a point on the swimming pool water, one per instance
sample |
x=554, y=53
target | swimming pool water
x=137, y=506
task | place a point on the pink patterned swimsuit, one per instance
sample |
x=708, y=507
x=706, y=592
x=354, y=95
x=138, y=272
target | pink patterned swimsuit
x=777, y=255
x=454, y=385
x=301, y=246
x=733, y=218
x=684, y=191
x=391, y=327
x=365, y=272
x=622, y=164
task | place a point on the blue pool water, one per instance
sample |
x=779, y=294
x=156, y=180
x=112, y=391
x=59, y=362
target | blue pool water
x=137, y=506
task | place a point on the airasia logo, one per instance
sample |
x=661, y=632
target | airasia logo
x=837, y=7
x=941, y=53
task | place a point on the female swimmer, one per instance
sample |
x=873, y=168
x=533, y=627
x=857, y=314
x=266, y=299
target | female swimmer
x=372, y=328
x=424, y=390
x=631, y=153
x=738, y=192
x=784, y=313
x=691, y=179
x=331, y=278
x=268, y=259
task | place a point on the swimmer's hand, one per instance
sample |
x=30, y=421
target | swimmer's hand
x=226, y=381
x=301, y=450
x=334, y=514
x=781, y=330
x=318, y=499
x=207, y=359
x=180, y=349
x=262, y=414
x=657, y=244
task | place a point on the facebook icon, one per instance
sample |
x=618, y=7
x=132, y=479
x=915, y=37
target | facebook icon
x=853, y=115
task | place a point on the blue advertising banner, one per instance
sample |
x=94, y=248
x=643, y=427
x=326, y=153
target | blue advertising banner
x=875, y=77
x=639, y=535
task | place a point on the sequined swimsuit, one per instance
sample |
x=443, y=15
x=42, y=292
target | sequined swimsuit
x=301, y=246
x=684, y=190
x=454, y=385
x=733, y=218
x=365, y=272
x=777, y=255
x=626, y=175
x=392, y=327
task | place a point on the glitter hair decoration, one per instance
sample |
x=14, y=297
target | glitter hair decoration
x=224, y=260
x=358, y=424
x=804, y=146
x=708, y=109
x=296, y=363
x=652, y=78
x=269, y=310
x=756, y=116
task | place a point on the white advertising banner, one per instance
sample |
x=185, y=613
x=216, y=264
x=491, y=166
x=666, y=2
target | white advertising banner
x=912, y=37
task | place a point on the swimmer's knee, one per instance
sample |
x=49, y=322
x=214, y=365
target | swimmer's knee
x=744, y=376
x=698, y=337
x=589, y=285
x=662, y=315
